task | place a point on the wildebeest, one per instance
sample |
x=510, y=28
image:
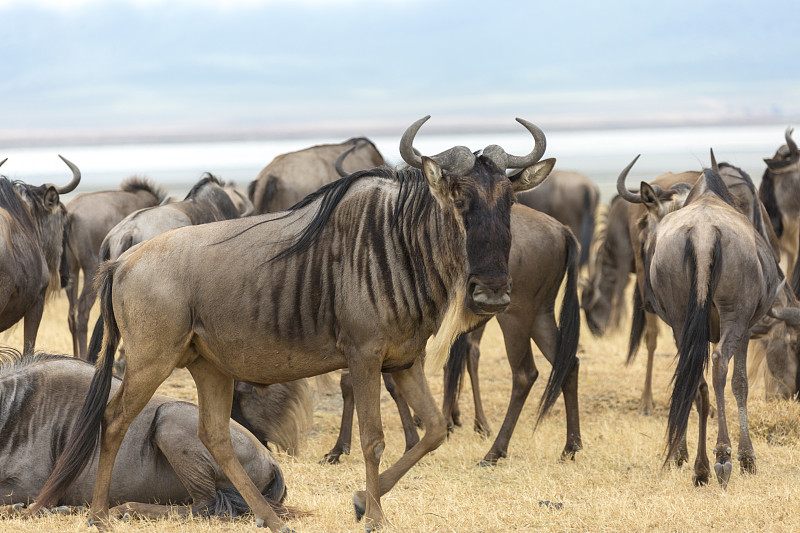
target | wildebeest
x=610, y=265
x=205, y=202
x=239, y=198
x=90, y=216
x=710, y=274
x=780, y=193
x=543, y=251
x=161, y=459
x=672, y=190
x=32, y=221
x=421, y=252
x=571, y=198
x=292, y=176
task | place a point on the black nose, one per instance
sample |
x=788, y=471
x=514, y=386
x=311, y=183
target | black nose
x=490, y=299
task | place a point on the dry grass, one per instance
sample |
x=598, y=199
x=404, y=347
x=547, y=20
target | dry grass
x=615, y=484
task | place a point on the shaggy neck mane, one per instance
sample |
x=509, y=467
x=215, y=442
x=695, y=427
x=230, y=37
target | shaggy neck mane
x=11, y=360
x=207, y=178
x=11, y=201
x=139, y=183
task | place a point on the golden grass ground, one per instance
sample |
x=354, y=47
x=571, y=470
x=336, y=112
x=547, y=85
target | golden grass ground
x=615, y=484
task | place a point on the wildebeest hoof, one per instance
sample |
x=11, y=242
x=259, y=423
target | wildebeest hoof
x=287, y=529
x=18, y=507
x=330, y=459
x=360, y=504
x=61, y=509
x=748, y=464
x=551, y=505
x=644, y=412
x=700, y=479
x=723, y=472
x=126, y=517
x=259, y=522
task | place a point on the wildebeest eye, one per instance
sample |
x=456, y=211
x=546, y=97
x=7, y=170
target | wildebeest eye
x=459, y=203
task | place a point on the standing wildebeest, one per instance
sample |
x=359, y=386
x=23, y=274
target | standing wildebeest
x=291, y=177
x=543, y=251
x=571, y=198
x=420, y=251
x=710, y=274
x=239, y=198
x=780, y=192
x=672, y=190
x=610, y=265
x=161, y=460
x=207, y=201
x=90, y=216
x=32, y=221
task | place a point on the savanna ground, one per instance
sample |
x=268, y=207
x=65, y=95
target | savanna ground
x=615, y=484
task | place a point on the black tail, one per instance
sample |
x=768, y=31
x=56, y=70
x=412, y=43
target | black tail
x=693, y=344
x=637, y=324
x=84, y=438
x=454, y=372
x=568, y=333
x=96, y=343
x=587, y=228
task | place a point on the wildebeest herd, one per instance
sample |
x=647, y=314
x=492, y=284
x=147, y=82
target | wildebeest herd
x=334, y=261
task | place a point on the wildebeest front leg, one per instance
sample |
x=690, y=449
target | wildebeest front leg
x=32, y=319
x=342, y=445
x=413, y=385
x=409, y=428
x=149, y=511
x=214, y=400
x=365, y=371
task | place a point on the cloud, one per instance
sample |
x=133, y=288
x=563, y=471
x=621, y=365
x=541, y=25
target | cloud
x=69, y=5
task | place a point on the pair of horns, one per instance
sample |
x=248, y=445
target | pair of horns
x=635, y=198
x=460, y=159
x=69, y=187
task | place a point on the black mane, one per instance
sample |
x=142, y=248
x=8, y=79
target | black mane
x=206, y=179
x=11, y=201
x=140, y=183
x=12, y=360
x=716, y=185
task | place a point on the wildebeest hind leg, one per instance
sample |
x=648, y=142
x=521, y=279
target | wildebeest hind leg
x=214, y=399
x=342, y=445
x=702, y=470
x=646, y=404
x=747, y=456
x=409, y=429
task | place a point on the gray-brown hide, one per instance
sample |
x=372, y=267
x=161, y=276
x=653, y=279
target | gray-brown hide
x=610, y=265
x=206, y=202
x=571, y=198
x=710, y=274
x=161, y=458
x=90, y=217
x=239, y=198
x=672, y=190
x=292, y=176
x=543, y=252
x=277, y=297
x=32, y=222
x=780, y=192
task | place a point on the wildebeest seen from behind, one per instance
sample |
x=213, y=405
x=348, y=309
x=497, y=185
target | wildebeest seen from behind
x=780, y=193
x=610, y=265
x=32, y=222
x=239, y=198
x=292, y=176
x=672, y=190
x=711, y=276
x=162, y=460
x=543, y=251
x=206, y=202
x=571, y=198
x=90, y=217
x=422, y=251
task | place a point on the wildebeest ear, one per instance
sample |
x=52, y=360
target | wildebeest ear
x=433, y=175
x=51, y=198
x=532, y=176
x=649, y=196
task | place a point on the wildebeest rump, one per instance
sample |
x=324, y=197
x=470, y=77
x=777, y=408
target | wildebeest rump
x=32, y=222
x=292, y=176
x=543, y=251
x=90, y=216
x=571, y=198
x=161, y=459
x=711, y=275
x=420, y=251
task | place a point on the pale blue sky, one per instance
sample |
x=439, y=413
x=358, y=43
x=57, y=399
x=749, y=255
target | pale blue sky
x=104, y=68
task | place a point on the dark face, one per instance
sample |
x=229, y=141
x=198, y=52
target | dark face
x=597, y=310
x=483, y=203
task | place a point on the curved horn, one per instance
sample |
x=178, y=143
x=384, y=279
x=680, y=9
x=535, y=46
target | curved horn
x=339, y=163
x=714, y=165
x=76, y=177
x=407, y=151
x=540, y=144
x=3, y=161
x=622, y=190
x=790, y=142
x=790, y=315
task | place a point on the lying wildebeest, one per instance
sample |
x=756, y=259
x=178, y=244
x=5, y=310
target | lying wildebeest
x=710, y=274
x=292, y=176
x=571, y=198
x=32, y=222
x=206, y=202
x=90, y=216
x=543, y=251
x=673, y=189
x=780, y=193
x=610, y=265
x=421, y=251
x=161, y=460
